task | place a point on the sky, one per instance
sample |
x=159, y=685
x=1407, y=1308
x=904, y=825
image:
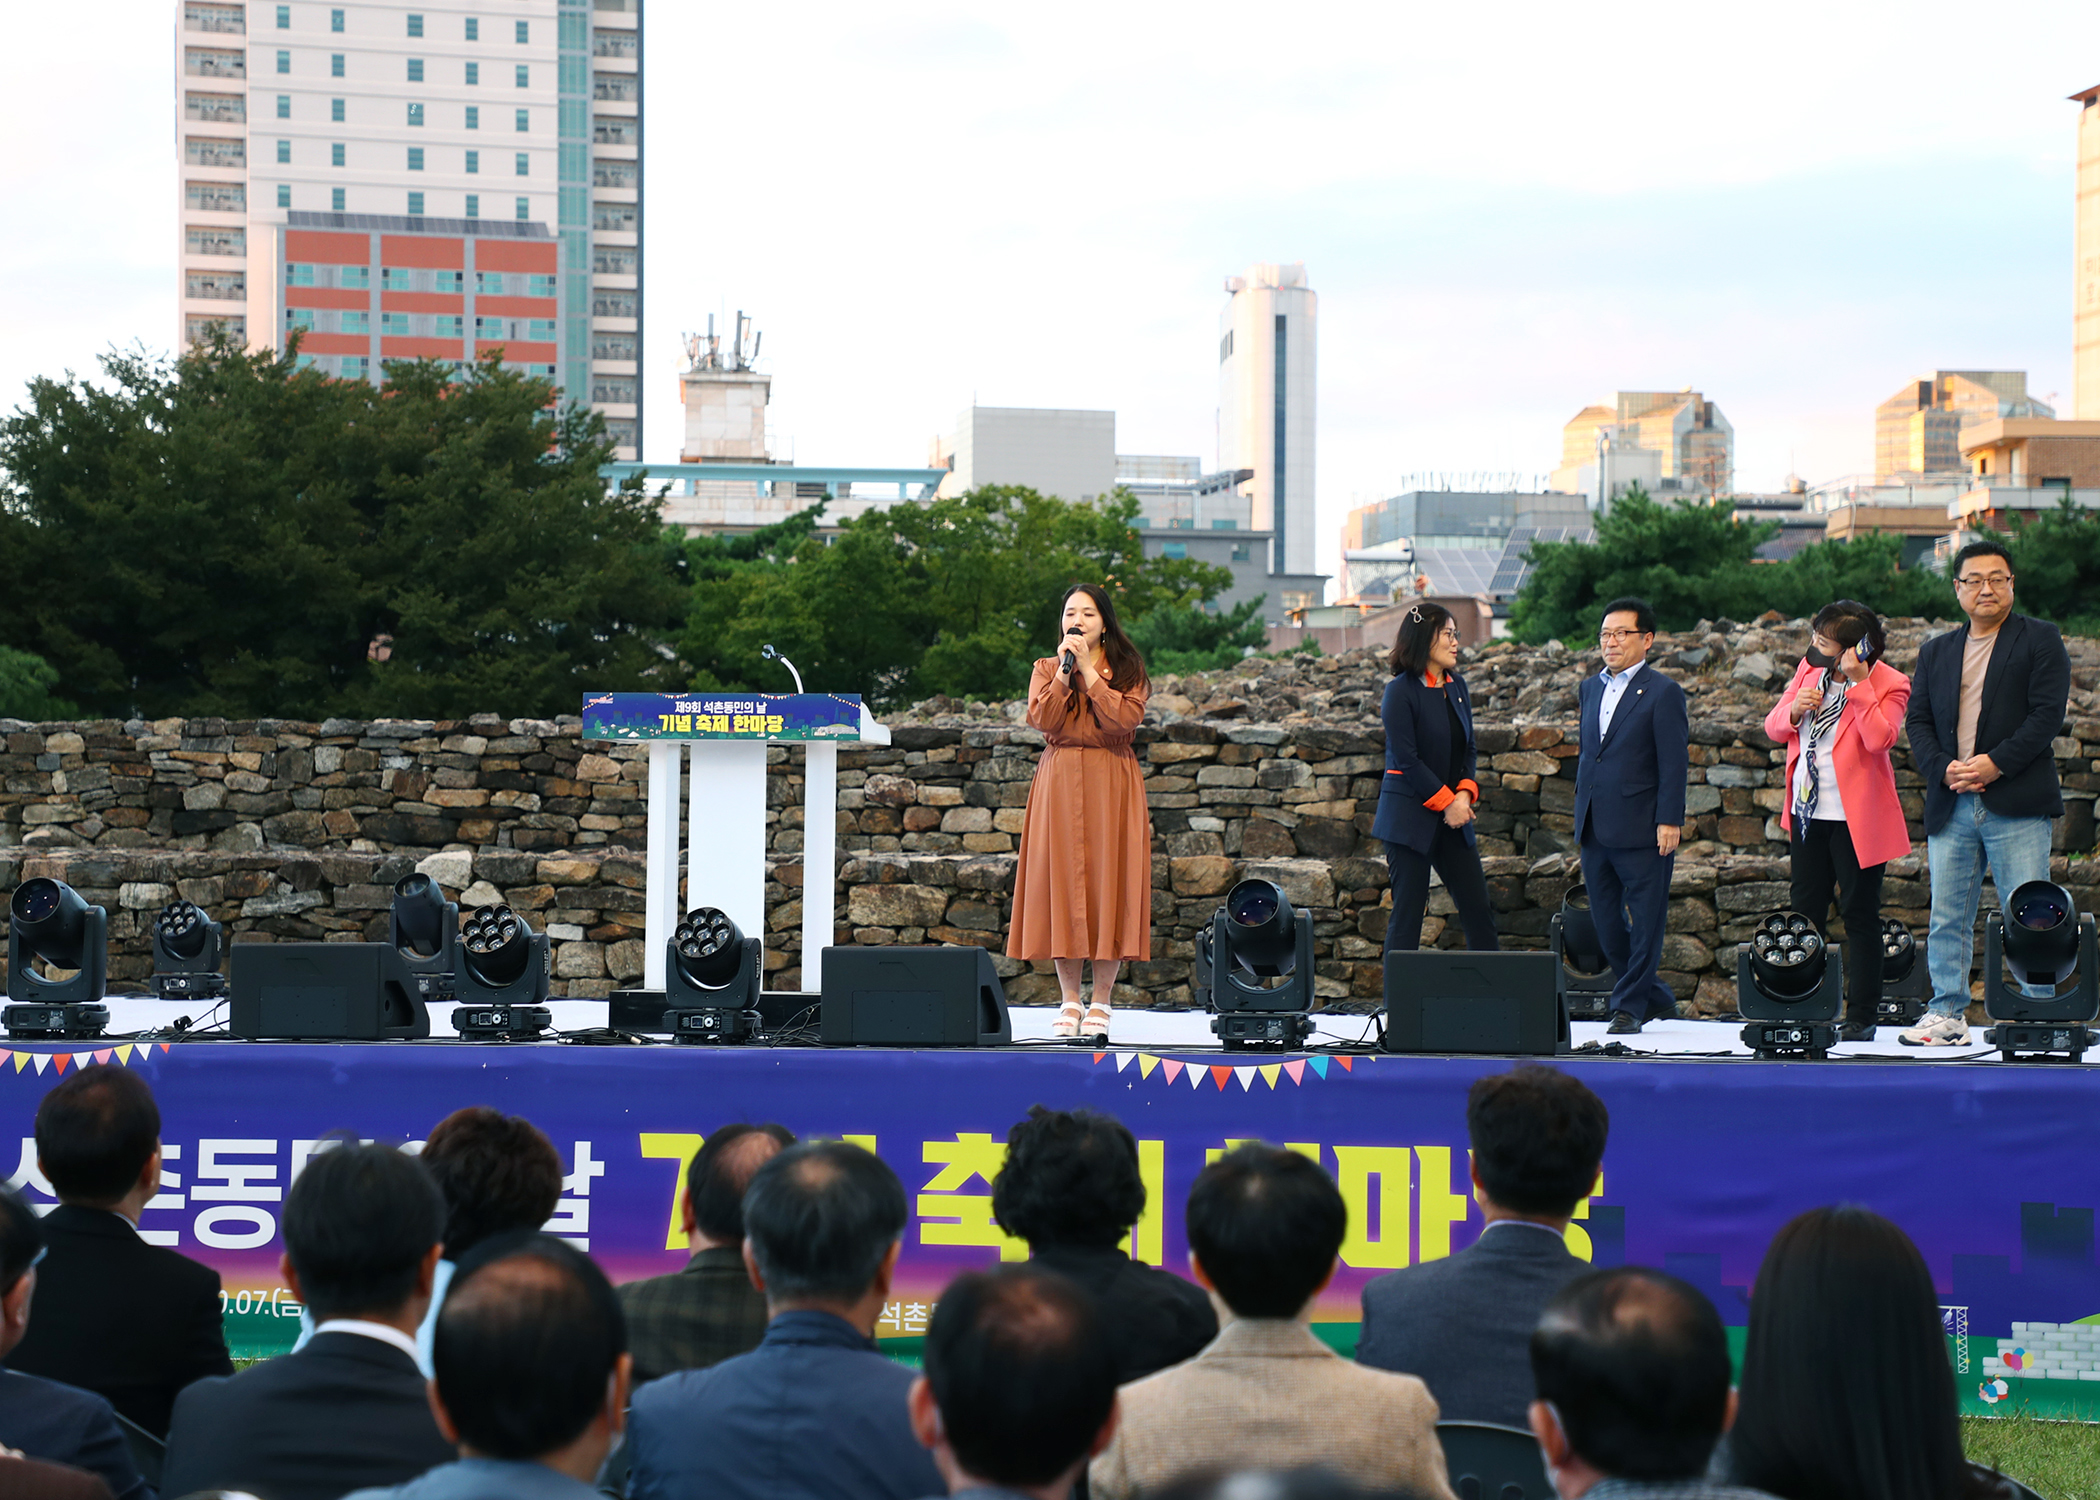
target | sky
x=1508, y=213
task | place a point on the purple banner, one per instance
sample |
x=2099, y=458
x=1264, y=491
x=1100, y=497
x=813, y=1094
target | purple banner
x=1986, y=1166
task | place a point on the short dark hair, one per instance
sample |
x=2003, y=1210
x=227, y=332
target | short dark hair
x=1416, y=638
x=819, y=1218
x=1636, y=1364
x=1071, y=1178
x=1849, y=623
x=719, y=1177
x=498, y=1173
x=357, y=1224
x=1266, y=1224
x=529, y=1335
x=21, y=1238
x=1974, y=550
x=95, y=1132
x=1538, y=1138
x=1022, y=1371
x=1642, y=611
x=1846, y=1388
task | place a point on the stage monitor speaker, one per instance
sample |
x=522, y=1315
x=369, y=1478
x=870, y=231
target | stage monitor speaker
x=325, y=992
x=913, y=997
x=1505, y=1004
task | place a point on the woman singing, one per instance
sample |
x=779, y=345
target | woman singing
x=1425, y=810
x=1083, y=886
x=1838, y=719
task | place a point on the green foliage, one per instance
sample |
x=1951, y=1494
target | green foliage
x=957, y=596
x=1694, y=562
x=26, y=680
x=1190, y=638
x=226, y=534
x=2056, y=560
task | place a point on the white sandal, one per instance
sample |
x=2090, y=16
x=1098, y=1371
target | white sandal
x=1066, y=1026
x=1094, y=1028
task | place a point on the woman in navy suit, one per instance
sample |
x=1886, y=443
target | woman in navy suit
x=1425, y=808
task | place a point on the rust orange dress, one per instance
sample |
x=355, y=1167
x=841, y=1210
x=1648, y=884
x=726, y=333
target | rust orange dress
x=1083, y=886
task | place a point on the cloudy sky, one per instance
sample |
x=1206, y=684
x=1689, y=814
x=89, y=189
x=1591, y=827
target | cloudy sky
x=1508, y=211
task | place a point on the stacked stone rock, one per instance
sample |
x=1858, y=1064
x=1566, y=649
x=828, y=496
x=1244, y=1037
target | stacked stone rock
x=290, y=831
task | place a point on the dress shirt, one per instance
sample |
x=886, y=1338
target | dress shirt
x=384, y=1332
x=1614, y=690
x=425, y=1331
x=485, y=1479
x=1668, y=1489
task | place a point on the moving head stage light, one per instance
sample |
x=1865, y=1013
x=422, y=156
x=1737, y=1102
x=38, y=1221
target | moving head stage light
x=1905, y=985
x=1585, y=979
x=188, y=947
x=2045, y=940
x=1789, y=985
x=424, y=926
x=501, y=981
x=1255, y=968
x=711, y=981
x=49, y=924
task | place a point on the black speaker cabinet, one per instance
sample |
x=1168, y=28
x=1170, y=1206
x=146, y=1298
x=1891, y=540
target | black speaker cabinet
x=913, y=997
x=1502, y=1004
x=324, y=991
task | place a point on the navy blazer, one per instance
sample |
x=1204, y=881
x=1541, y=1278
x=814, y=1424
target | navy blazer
x=58, y=1424
x=2026, y=689
x=1631, y=782
x=1417, y=737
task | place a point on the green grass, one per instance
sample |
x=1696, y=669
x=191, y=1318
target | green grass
x=2057, y=1460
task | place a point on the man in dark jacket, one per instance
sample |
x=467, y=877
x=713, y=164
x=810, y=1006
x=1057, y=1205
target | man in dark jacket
x=1985, y=703
x=1463, y=1322
x=127, y=1320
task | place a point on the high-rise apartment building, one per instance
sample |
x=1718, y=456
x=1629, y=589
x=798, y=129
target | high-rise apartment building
x=2085, y=279
x=1918, y=431
x=1674, y=442
x=402, y=179
x=1267, y=347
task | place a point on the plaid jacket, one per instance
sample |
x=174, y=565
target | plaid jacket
x=693, y=1318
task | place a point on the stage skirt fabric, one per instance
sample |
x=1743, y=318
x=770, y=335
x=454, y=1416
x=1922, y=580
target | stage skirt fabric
x=1083, y=886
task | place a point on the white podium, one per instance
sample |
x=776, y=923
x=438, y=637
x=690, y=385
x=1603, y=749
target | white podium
x=723, y=737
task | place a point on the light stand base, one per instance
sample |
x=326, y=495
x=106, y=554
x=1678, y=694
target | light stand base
x=502, y=1023
x=1240, y=1029
x=211, y=986
x=74, y=1022
x=2036, y=1040
x=1796, y=1039
x=712, y=1026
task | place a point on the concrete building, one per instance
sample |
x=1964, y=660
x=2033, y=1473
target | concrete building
x=1457, y=518
x=1068, y=454
x=1918, y=432
x=1669, y=442
x=488, y=165
x=2020, y=469
x=1206, y=518
x=1267, y=404
x=2085, y=278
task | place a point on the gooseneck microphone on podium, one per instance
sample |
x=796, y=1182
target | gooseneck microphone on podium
x=1071, y=661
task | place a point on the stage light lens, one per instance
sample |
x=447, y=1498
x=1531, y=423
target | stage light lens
x=182, y=929
x=709, y=946
x=50, y=921
x=1787, y=956
x=1264, y=933
x=37, y=900
x=1254, y=903
x=2041, y=933
x=496, y=945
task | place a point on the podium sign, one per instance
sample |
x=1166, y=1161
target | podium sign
x=725, y=802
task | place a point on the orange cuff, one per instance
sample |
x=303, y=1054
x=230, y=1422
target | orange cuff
x=1444, y=798
x=1470, y=787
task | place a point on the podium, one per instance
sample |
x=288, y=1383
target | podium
x=723, y=738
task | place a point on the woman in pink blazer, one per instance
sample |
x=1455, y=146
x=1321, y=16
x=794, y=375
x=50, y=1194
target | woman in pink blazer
x=1839, y=719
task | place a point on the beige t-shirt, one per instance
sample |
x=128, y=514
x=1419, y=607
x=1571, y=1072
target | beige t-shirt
x=1975, y=662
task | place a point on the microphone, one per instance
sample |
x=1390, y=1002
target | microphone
x=1071, y=661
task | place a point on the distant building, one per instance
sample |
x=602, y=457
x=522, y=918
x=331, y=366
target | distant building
x=2085, y=281
x=1068, y=454
x=1205, y=517
x=2023, y=467
x=1918, y=432
x=1267, y=404
x=1668, y=442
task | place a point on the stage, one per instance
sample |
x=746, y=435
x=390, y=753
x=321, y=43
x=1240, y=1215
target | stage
x=1985, y=1164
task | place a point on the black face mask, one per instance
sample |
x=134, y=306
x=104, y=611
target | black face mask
x=1820, y=659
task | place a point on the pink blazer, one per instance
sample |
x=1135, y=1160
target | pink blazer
x=1866, y=777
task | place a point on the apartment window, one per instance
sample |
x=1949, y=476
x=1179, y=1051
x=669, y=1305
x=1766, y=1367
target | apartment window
x=488, y=328
x=610, y=43
x=200, y=63
x=615, y=260
x=393, y=325
x=614, y=346
x=284, y=151
x=211, y=240
x=396, y=279
x=415, y=158
x=299, y=317
x=1174, y=549
x=335, y=110
x=216, y=18
x=612, y=130
x=539, y=286
x=473, y=200
x=415, y=25
x=415, y=205
x=1241, y=552
x=356, y=366
x=450, y=327
x=199, y=328
x=607, y=173
x=415, y=70
x=335, y=65
x=621, y=88
x=473, y=29
x=1224, y=526
x=488, y=283
x=215, y=151
x=448, y=281
x=335, y=155
x=473, y=161
x=284, y=195
x=524, y=120
x=284, y=61
x=335, y=20
x=218, y=286
x=217, y=197
x=524, y=208
x=284, y=106
x=524, y=33
x=606, y=304
x=357, y=322
x=415, y=114
x=298, y=273
x=541, y=329
x=614, y=390
x=524, y=164
x=616, y=218
x=524, y=73
x=473, y=117
x=359, y=277
x=337, y=199
x=284, y=18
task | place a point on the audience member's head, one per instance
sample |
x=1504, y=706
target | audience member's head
x=21, y=1247
x=361, y=1231
x=1847, y=1390
x=1020, y=1382
x=1071, y=1178
x=1632, y=1371
x=96, y=1131
x=530, y=1355
x=1538, y=1138
x=1264, y=1227
x=498, y=1173
x=821, y=1224
x=721, y=1174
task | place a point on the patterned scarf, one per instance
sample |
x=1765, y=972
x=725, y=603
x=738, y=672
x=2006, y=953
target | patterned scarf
x=1824, y=720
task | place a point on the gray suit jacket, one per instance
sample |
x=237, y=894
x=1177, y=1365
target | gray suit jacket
x=1463, y=1323
x=484, y=1479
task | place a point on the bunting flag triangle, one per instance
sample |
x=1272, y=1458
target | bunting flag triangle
x=104, y=1055
x=1269, y=1072
x=4, y=1056
x=1296, y=1070
x=43, y=1060
x=60, y=1059
x=1319, y=1065
x=1146, y=1063
x=163, y=1046
x=1195, y=1076
x=1097, y=1058
x=1124, y=1060
x=1173, y=1068
x=1246, y=1077
x=22, y=1061
x=1219, y=1072
x=1348, y=1063
x=124, y=1053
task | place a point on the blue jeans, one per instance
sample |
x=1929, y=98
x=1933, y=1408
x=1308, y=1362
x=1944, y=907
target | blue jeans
x=2015, y=849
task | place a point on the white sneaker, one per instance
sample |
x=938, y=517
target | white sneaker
x=1936, y=1030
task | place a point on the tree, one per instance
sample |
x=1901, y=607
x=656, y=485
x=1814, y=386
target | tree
x=1190, y=638
x=2056, y=559
x=228, y=533
x=26, y=681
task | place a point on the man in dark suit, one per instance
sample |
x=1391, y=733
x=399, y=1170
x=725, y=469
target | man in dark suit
x=1985, y=704
x=709, y=1311
x=814, y=1412
x=1463, y=1322
x=130, y=1321
x=362, y=1226
x=1629, y=808
x=40, y=1418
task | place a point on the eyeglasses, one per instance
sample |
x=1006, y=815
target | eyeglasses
x=1984, y=580
x=1613, y=637
x=1448, y=634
